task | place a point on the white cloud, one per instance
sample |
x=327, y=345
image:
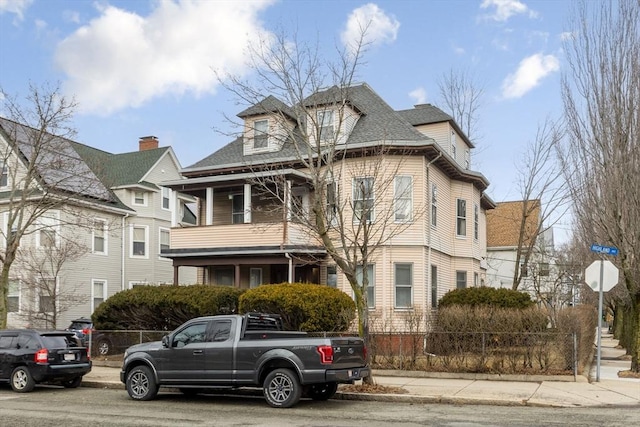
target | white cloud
x=15, y=6
x=121, y=59
x=378, y=26
x=529, y=74
x=505, y=9
x=419, y=95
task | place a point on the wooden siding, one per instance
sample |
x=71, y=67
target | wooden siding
x=239, y=235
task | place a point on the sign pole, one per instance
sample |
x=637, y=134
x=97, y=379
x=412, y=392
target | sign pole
x=600, y=298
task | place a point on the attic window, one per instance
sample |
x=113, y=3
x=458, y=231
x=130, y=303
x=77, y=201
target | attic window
x=260, y=134
x=325, y=125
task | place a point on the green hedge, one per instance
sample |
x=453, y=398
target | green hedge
x=478, y=296
x=303, y=307
x=163, y=308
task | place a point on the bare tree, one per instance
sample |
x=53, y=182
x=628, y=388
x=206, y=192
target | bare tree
x=301, y=90
x=462, y=97
x=41, y=173
x=601, y=93
x=41, y=277
x=543, y=194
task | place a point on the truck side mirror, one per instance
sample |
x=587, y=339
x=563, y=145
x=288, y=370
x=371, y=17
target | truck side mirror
x=165, y=341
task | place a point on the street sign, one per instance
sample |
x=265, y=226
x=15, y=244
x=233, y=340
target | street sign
x=609, y=275
x=604, y=250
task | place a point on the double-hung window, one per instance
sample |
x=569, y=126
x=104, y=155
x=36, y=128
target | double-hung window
x=4, y=175
x=461, y=279
x=48, y=232
x=47, y=293
x=332, y=203
x=166, y=198
x=476, y=221
x=13, y=296
x=403, y=198
x=461, y=217
x=403, y=284
x=99, y=237
x=237, y=208
x=363, y=199
x=139, y=239
x=434, y=286
x=260, y=134
x=165, y=240
x=325, y=125
x=371, y=280
x=99, y=292
x=139, y=198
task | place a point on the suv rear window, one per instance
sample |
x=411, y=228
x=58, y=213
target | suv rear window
x=80, y=325
x=57, y=341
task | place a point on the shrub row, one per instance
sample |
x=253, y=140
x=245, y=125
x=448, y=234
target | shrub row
x=485, y=295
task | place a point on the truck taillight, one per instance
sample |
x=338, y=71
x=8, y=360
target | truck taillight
x=326, y=354
x=42, y=356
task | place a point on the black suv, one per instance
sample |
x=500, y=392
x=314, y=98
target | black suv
x=29, y=357
x=83, y=328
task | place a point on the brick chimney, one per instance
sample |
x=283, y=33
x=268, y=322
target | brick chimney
x=148, y=143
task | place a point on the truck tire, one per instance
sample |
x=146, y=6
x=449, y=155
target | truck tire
x=21, y=380
x=282, y=388
x=324, y=391
x=141, y=385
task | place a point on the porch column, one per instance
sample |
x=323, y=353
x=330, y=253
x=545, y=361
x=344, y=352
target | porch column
x=236, y=279
x=247, y=203
x=287, y=198
x=209, y=206
x=173, y=208
x=175, y=275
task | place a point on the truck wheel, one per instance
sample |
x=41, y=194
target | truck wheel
x=141, y=385
x=323, y=391
x=282, y=388
x=21, y=380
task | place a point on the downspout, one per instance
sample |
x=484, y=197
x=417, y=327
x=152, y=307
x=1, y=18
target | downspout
x=286, y=254
x=430, y=190
x=124, y=247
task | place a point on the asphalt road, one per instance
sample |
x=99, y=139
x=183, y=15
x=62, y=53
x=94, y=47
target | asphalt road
x=51, y=406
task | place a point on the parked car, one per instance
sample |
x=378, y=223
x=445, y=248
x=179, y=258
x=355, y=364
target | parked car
x=29, y=357
x=101, y=344
x=232, y=351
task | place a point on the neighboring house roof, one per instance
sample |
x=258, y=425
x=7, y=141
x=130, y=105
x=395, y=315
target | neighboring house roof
x=503, y=223
x=121, y=170
x=270, y=104
x=74, y=175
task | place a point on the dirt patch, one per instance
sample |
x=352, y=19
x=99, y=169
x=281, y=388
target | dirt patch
x=373, y=389
x=628, y=374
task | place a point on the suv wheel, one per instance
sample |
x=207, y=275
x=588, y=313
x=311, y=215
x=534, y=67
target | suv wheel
x=72, y=383
x=21, y=380
x=141, y=385
x=103, y=347
x=282, y=388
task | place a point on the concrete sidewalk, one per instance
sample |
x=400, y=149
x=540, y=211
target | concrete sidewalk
x=609, y=391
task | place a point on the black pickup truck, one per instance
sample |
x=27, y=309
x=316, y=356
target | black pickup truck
x=233, y=351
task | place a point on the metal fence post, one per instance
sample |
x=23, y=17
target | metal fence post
x=575, y=356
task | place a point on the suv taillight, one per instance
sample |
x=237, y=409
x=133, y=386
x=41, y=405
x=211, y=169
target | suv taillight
x=42, y=356
x=86, y=331
x=326, y=354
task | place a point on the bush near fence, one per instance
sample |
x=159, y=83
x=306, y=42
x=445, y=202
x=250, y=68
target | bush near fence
x=489, y=340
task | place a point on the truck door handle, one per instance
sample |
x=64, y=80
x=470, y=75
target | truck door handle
x=197, y=351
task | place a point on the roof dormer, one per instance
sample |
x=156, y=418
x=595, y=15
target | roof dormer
x=267, y=125
x=331, y=116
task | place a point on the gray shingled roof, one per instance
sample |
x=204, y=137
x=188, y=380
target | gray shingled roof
x=378, y=123
x=270, y=104
x=59, y=165
x=424, y=114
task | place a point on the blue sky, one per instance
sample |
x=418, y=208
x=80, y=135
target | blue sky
x=143, y=67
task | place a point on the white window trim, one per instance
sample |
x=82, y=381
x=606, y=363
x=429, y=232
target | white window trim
x=93, y=295
x=146, y=241
x=42, y=222
x=19, y=295
x=256, y=134
x=320, y=137
x=144, y=198
x=395, y=286
x=251, y=271
x=4, y=170
x=397, y=197
x=160, y=230
x=356, y=220
x=105, y=235
x=39, y=294
x=372, y=284
x=476, y=222
x=162, y=190
x=458, y=235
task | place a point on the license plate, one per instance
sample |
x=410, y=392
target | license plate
x=69, y=356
